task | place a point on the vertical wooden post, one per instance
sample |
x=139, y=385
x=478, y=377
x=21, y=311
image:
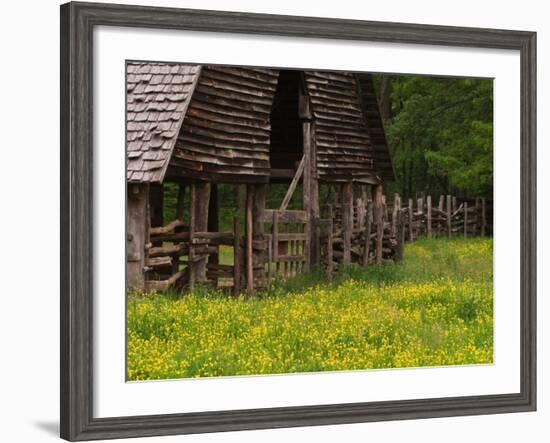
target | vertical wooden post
x=237, y=257
x=330, y=248
x=202, y=203
x=137, y=226
x=379, y=220
x=213, y=224
x=360, y=204
x=347, y=219
x=269, y=259
x=192, y=221
x=368, y=228
x=314, y=201
x=394, y=214
x=275, y=239
x=483, y=217
x=429, y=215
x=411, y=220
x=249, y=239
x=455, y=205
x=449, y=213
x=441, y=202
x=260, y=252
x=465, y=219
x=306, y=184
x=401, y=235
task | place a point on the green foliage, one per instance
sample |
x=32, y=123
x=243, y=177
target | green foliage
x=434, y=308
x=441, y=135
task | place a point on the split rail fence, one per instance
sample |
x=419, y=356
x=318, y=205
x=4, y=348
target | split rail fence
x=360, y=233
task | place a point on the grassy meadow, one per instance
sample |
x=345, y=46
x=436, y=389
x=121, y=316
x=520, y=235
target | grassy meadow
x=433, y=308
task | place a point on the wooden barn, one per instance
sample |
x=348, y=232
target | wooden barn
x=200, y=126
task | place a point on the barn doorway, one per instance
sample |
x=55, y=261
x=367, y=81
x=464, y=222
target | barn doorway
x=286, y=148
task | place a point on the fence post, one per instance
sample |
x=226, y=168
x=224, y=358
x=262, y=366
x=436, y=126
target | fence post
x=249, y=239
x=394, y=214
x=411, y=217
x=429, y=215
x=368, y=223
x=449, y=216
x=236, y=257
x=400, y=236
x=347, y=219
x=329, y=242
x=465, y=219
x=379, y=220
x=483, y=219
x=192, y=221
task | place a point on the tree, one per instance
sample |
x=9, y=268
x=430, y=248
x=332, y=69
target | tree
x=441, y=134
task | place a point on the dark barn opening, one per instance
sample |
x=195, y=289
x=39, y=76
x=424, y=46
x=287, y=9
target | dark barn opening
x=286, y=148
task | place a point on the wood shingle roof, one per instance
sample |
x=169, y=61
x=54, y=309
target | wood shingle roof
x=213, y=122
x=158, y=95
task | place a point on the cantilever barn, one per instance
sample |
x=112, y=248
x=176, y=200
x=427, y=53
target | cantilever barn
x=201, y=126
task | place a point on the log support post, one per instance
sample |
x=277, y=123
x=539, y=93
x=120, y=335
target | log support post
x=347, y=219
x=201, y=204
x=330, y=246
x=137, y=224
x=259, y=259
x=237, y=257
x=249, y=237
x=368, y=229
x=378, y=208
x=191, y=265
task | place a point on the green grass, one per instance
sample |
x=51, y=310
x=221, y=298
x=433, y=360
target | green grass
x=433, y=308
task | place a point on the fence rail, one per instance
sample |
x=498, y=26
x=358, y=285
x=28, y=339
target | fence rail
x=362, y=231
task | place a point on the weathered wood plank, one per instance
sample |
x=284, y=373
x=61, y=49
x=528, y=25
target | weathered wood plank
x=237, y=257
x=249, y=238
x=293, y=184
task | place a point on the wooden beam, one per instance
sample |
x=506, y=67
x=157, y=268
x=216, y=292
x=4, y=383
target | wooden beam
x=237, y=257
x=249, y=239
x=192, y=216
x=347, y=218
x=411, y=220
x=137, y=225
x=368, y=228
x=202, y=204
x=293, y=184
x=258, y=208
x=379, y=220
x=306, y=135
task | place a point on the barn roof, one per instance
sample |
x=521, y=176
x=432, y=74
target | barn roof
x=158, y=95
x=214, y=121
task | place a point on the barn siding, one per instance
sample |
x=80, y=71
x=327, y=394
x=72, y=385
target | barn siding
x=344, y=150
x=371, y=110
x=226, y=131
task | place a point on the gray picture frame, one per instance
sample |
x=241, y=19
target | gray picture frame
x=77, y=23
